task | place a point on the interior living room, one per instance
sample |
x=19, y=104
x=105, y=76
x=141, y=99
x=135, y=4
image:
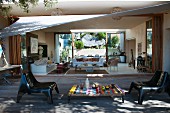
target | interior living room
x=50, y=35
x=134, y=23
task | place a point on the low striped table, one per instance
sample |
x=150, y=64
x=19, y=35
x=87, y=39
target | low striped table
x=112, y=90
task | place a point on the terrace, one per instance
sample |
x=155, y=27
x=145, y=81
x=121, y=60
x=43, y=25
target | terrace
x=38, y=102
x=144, y=27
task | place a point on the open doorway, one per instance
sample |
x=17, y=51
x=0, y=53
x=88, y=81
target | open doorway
x=116, y=46
x=131, y=51
x=63, y=48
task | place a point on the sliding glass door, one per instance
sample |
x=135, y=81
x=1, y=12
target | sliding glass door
x=149, y=43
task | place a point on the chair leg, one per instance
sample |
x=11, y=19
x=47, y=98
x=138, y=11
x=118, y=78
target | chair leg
x=56, y=88
x=140, y=97
x=169, y=93
x=19, y=96
x=131, y=87
x=49, y=96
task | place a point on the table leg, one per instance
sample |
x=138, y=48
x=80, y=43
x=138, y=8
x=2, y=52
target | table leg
x=75, y=67
x=89, y=69
x=122, y=99
x=69, y=97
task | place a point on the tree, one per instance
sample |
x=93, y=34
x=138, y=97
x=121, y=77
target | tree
x=115, y=40
x=23, y=4
x=79, y=44
x=101, y=35
x=64, y=54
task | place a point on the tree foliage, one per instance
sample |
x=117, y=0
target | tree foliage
x=64, y=54
x=23, y=4
x=115, y=40
x=79, y=44
x=101, y=35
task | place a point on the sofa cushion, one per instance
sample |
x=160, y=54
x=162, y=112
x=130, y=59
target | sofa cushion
x=74, y=60
x=85, y=60
x=41, y=62
x=79, y=59
x=90, y=59
x=95, y=59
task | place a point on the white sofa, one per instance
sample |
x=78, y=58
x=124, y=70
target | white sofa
x=41, y=67
x=80, y=61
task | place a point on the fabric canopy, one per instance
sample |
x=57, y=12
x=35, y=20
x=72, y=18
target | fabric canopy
x=28, y=24
x=90, y=41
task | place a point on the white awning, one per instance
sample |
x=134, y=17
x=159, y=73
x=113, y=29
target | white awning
x=28, y=24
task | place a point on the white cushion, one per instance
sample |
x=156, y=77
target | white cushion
x=74, y=60
x=41, y=62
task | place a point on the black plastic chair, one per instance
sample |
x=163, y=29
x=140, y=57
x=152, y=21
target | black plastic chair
x=157, y=84
x=29, y=84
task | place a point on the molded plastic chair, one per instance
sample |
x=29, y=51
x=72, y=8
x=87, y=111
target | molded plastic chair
x=157, y=84
x=30, y=85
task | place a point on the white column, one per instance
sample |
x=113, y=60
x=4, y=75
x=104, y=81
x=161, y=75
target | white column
x=57, y=48
x=122, y=42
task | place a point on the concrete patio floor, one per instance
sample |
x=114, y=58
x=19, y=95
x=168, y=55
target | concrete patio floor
x=37, y=103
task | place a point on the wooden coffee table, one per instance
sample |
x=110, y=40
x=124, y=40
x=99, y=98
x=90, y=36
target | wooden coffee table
x=113, y=91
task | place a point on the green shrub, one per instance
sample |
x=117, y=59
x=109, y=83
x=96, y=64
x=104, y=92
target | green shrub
x=115, y=40
x=79, y=44
x=101, y=35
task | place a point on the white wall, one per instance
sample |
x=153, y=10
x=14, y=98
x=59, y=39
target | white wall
x=129, y=34
x=41, y=36
x=50, y=43
x=46, y=38
x=130, y=44
x=138, y=33
x=166, y=43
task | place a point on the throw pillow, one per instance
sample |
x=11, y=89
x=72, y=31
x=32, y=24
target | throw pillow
x=79, y=59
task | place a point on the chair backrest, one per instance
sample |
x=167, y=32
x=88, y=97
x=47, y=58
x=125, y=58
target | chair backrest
x=114, y=62
x=159, y=79
x=31, y=79
x=25, y=83
x=110, y=60
x=140, y=61
x=28, y=80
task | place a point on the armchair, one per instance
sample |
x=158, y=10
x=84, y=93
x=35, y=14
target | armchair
x=156, y=85
x=113, y=63
x=30, y=85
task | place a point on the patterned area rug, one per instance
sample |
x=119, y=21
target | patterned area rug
x=84, y=72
